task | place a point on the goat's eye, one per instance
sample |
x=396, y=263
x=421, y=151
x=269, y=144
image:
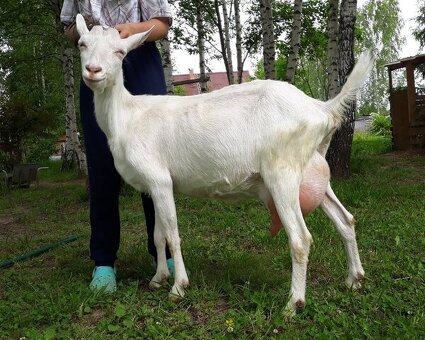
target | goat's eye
x=120, y=53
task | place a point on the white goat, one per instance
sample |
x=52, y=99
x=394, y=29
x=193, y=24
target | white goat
x=255, y=139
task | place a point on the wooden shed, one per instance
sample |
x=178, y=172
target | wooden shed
x=407, y=106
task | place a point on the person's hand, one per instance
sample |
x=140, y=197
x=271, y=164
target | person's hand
x=71, y=32
x=125, y=30
x=90, y=22
x=160, y=28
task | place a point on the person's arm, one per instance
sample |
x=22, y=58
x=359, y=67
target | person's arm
x=70, y=31
x=160, y=30
x=69, y=10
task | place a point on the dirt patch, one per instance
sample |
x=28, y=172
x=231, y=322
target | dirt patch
x=54, y=184
x=9, y=227
x=405, y=155
x=407, y=160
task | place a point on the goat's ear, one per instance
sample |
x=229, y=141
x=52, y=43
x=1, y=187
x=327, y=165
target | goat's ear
x=81, y=25
x=137, y=39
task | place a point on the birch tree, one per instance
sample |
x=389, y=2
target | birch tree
x=238, y=27
x=294, y=45
x=201, y=46
x=221, y=34
x=332, y=49
x=73, y=153
x=339, y=153
x=167, y=65
x=227, y=41
x=266, y=12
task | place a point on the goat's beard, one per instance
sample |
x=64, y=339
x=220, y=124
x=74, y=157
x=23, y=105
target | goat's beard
x=95, y=87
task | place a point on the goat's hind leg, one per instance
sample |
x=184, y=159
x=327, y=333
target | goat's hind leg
x=344, y=223
x=283, y=185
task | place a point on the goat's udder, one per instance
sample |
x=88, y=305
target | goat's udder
x=308, y=202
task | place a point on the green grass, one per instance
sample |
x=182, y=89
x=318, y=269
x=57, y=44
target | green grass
x=240, y=276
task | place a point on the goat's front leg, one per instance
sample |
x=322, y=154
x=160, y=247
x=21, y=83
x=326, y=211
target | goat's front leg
x=283, y=185
x=165, y=213
x=344, y=223
x=162, y=273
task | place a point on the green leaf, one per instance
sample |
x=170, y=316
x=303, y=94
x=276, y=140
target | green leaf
x=49, y=333
x=119, y=310
x=397, y=240
x=113, y=328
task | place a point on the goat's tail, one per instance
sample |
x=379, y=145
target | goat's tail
x=337, y=105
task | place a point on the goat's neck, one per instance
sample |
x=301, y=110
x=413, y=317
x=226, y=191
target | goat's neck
x=110, y=108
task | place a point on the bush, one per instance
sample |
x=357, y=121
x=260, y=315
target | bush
x=40, y=148
x=380, y=125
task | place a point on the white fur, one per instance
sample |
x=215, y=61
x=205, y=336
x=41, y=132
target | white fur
x=253, y=139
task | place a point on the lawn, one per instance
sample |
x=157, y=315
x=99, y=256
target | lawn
x=240, y=276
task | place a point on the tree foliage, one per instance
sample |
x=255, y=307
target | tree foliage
x=379, y=29
x=419, y=30
x=32, y=85
x=310, y=75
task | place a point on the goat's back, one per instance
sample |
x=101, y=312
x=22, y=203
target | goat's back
x=216, y=142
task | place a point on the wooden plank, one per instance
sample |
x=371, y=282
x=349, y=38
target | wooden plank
x=191, y=81
x=411, y=93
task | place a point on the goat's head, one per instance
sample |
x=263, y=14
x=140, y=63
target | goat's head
x=102, y=53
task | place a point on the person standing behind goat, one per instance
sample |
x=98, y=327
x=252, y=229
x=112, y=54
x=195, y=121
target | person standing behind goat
x=143, y=74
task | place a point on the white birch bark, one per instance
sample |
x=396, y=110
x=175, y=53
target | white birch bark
x=227, y=40
x=238, y=28
x=339, y=153
x=167, y=64
x=268, y=38
x=294, y=45
x=201, y=47
x=222, y=41
x=73, y=152
x=333, y=76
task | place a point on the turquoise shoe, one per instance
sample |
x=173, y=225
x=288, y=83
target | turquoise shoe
x=171, y=269
x=104, y=279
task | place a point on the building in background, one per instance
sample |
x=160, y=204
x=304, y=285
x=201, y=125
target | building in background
x=217, y=80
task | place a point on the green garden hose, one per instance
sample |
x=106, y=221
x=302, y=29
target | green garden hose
x=39, y=251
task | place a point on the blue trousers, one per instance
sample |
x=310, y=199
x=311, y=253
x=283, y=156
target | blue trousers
x=143, y=74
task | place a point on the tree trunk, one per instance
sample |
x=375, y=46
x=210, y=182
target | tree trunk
x=201, y=46
x=268, y=38
x=223, y=43
x=294, y=46
x=167, y=64
x=73, y=153
x=238, y=41
x=227, y=41
x=339, y=153
x=333, y=76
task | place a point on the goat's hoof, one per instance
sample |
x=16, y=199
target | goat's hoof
x=154, y=284
x=292, y=309
x=299, y=306
x=176, y=294
x=174, y=298
x=355, y=281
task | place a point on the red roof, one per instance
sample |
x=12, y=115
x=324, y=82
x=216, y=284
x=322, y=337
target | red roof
x=217, y=81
